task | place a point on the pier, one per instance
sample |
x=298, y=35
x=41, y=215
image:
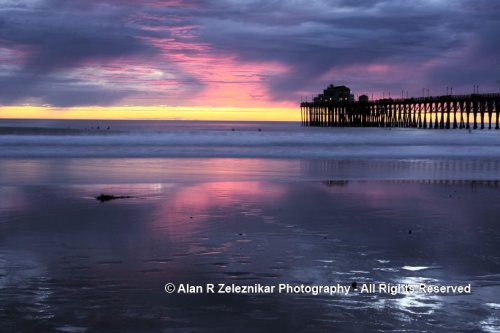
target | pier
x=336, y=108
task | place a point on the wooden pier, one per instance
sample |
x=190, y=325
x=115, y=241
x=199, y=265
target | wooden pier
x=450, y=111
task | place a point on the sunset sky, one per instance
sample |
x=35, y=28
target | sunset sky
x=235, y=59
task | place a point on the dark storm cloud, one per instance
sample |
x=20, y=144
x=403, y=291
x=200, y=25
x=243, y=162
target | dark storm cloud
x=328, y=35
x=479, y=63
x=57, y=91
x=55, y=38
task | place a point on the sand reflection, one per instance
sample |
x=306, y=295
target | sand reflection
x=189, y=206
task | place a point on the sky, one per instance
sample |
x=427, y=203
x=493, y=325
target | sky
x=235, y=59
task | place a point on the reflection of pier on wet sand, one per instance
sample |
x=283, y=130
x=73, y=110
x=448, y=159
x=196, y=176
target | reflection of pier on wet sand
x=423, y=171
x=458, y=111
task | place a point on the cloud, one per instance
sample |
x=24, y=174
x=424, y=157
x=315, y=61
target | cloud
x=207, y=49
x=57, y=91
x=58, y=40
x=477, y=61
x=318, y=37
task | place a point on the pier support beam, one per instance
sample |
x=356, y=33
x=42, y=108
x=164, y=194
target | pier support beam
x=497, y=111
x=482, y=110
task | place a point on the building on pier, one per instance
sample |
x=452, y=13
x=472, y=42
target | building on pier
x=335, y=94
x=364, y=99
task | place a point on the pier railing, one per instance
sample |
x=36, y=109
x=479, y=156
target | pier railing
x=448, y=111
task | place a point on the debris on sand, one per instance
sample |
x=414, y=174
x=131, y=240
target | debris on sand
x=108, y=197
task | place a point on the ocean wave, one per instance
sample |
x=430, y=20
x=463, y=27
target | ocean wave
x=303, y=143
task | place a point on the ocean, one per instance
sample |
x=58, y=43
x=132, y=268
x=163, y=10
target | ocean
x=366, y=229
x=83, y=151
x=82, y=138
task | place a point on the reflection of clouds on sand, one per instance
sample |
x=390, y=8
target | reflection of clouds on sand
x=379, y=196
x=189, y=206
x=115, y=257
x=64, y=171
x=13, y=200
x=214, y=220
x=27, y=171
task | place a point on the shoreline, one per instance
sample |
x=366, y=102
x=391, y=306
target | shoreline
x=81, y=170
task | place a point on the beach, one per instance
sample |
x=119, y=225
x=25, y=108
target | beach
x=248, y=205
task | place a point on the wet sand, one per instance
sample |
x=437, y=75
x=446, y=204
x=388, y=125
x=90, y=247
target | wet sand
x=70, y=263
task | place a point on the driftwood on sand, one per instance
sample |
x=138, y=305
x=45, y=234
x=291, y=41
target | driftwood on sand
x=108, y=197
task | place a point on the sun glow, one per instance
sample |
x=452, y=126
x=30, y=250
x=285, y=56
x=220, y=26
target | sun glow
x=153, y=112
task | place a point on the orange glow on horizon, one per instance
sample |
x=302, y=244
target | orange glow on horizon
x=153, y=113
